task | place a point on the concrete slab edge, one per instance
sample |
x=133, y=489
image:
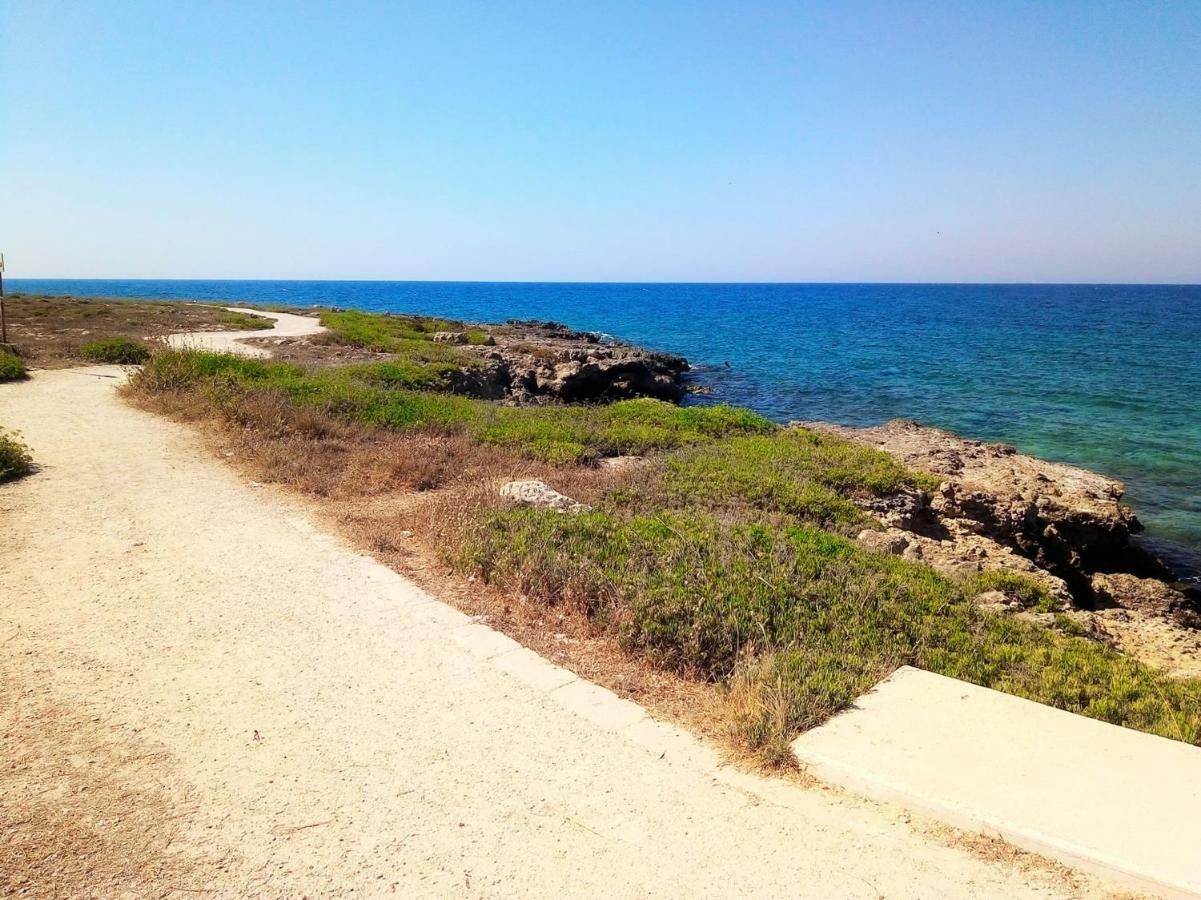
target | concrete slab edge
x=880, y=789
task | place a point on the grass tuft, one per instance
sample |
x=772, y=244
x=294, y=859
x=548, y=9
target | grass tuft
x=805, y=476
x=12, y=367
x=123, y=350
x=387, y=333
x=1029, y=593
x=15, y=458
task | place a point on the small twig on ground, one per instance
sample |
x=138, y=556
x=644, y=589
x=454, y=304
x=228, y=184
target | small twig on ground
x=296, y=828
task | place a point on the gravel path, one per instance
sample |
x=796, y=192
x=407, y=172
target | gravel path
x=286, y=325
x=201, y=690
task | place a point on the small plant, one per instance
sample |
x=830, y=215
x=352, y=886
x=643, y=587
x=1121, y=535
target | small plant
x=15, y=460
x=1022, y=588
x=12, y=367
x=122, y=350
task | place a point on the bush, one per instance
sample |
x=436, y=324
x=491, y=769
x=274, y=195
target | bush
x=12, y=367
x=15, y=460
x=1028, y=592
x=123, y=350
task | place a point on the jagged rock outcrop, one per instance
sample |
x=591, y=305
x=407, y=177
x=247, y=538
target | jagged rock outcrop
x=1147, y=595
x=962, y=554
x=541, y=362
x=995, y=508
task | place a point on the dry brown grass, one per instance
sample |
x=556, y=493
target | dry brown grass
x=82, y=809
x=49, y=332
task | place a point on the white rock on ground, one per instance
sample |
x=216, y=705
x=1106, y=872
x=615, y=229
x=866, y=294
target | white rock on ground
x=541, y=495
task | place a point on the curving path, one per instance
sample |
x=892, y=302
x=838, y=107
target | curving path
x=204, y=693
x=286, y=325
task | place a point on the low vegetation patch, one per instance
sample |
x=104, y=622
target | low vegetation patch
x=722, y=556
x=15, y=458
x=244, y=322
x=380, y=394
x=1028, y=592
x=12, y=367
x=384, y=332
x=123, y=350
x=806, y=477
x=409, y=338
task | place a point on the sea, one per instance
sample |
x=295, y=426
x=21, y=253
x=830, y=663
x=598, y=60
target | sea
x=1107, y=377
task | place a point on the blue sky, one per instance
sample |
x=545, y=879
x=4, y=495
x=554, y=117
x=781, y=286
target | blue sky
x=692, y=141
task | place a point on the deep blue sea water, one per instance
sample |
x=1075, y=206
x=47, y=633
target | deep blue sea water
x=1102, y=376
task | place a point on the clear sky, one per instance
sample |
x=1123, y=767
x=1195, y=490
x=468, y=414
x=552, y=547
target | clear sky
x=607, y=141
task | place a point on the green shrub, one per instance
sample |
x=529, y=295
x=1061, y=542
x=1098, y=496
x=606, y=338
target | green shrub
x=15, y=459
x=405, y=373
x=123, y=350
x=12, y=367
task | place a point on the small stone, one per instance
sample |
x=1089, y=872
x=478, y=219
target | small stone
x=890, y=542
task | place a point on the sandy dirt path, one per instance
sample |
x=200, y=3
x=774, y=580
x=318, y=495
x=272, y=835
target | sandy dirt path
x=203, y=691
x=286, y=325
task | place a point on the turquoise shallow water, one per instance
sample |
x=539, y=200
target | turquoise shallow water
x=1107, y=377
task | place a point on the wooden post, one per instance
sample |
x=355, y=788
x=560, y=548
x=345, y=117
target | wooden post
x=3, y=323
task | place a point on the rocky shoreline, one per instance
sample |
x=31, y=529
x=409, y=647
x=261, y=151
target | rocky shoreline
x=532, y=362
x=1064, y=526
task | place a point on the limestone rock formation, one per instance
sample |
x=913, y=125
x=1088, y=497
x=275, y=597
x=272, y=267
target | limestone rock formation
x=540, y=362
x=995, y=508
x=1147, y=595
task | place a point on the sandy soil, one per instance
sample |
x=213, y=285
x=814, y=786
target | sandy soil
x=203, y=692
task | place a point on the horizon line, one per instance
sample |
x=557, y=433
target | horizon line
x=226, y=278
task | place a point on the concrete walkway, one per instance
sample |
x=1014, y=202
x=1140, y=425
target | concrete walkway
x=202, y=691
x=1088, y=793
